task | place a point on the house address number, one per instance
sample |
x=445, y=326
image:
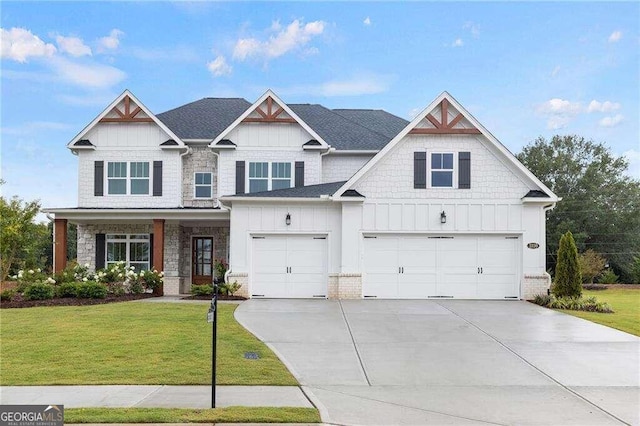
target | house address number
x=533, y=245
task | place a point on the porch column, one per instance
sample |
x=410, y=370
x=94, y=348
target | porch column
x=60, y=244
x=158, y=248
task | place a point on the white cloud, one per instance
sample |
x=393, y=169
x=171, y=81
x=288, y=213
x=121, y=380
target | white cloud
x=457, y=43
x=611, y=121
x=219, y=67
x=473, y=28
x=633, y=157
x=559, y=112
x=90, y=75
x=615, y=36
x=606, y=106
x=91, y=99
x=293, y=37
x=559, y=106
x=110, y=42
x=74, y=46
x=34, y=126
x=19, y=44
x=367, y=21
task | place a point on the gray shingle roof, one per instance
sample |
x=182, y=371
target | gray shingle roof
x=309, y=191
x=343, y=129
x=203, y=119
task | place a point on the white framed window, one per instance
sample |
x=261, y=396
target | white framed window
x=133, y=249
x=136, y=182
x=117, y=178
x=267, y=176
x=442, y=173
x=202, y=185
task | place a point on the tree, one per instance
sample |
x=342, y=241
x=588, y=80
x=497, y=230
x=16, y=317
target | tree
x=567, y=281
x=636, y=270
x=21, y=238
x=600, y=202
x=591, y=265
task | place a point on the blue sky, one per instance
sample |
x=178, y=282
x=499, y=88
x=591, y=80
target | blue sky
x=523, y=69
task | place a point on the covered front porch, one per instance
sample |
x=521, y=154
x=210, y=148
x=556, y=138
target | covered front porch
x=184, y=243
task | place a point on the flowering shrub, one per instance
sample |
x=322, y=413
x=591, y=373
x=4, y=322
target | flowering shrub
x=30, y=276
x=74, y=272
x=115, y=272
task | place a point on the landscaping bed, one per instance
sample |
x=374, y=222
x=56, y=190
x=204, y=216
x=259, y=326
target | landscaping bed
x=18, y=301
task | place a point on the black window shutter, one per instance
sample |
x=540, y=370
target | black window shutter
x=420, y=170
x=100, y=251
x=464, y=170
x=299, y=173
x=98, y=178
x=151, y=252
x=157, y=178
x=240, y=177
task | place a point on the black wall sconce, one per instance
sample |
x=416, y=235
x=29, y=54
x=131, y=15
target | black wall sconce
x=443, y=217
x=287, y=220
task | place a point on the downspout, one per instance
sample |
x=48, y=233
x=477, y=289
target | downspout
x=184, y=154
x=546, y=209
x=217, y=204
x=329, y=151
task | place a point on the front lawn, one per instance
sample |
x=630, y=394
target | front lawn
x=130, y=343
x=179, y=415
x=625, y=303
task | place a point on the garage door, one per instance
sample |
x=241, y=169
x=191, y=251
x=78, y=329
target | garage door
x=289, y=266
x=465, y=267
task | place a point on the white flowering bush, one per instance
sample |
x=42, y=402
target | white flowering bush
x=29, y=276
x=144, y=280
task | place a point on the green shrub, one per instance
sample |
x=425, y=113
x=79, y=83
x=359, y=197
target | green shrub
x=38, y=291
x=135, y=287
x=202, y=290
x=92, y=290
x=67, y=290
x=594, y=287
x=608, y=277
x=635, y=269
x=591, y=265
x=7, y=295
x=567, y=281
x=117, y=289
x=220, y=268
x=589, y=304
x=229, y=288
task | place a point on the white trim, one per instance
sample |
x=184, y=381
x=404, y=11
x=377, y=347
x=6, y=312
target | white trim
x=354, y=152
x=259, y=102
x=454, y=170
x=234, y=198
x=113, y=105
x=142, y=215
x=196, y=185
x=400, y=136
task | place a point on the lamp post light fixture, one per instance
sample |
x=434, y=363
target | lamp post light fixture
x=287, y=220
x=443, y=217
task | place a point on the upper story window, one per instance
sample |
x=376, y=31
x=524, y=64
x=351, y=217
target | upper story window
x=264, y=176
x=136, y=182
x=202, y=188
x=442, y=171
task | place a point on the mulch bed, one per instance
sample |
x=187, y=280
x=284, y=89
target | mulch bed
x=220, y=297
x=19, y=302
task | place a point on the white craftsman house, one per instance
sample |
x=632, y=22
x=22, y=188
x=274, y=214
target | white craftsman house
x=305, y=201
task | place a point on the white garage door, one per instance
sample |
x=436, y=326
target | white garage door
x=465, y=267
x=289, y=266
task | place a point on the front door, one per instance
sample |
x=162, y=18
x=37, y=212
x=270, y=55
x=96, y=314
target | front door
x=202, y=263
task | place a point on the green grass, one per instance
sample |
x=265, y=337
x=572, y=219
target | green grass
x=130, y=343
x=625, y=303
x=180, y=415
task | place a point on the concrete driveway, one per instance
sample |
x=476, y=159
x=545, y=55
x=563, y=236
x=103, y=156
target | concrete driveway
x=451, y=362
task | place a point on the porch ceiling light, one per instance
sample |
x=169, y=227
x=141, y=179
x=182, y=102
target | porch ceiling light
x=287, y=220
x=443, y=217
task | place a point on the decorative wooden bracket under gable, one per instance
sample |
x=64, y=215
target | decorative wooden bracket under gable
x=126, y=116
x=444, y=126
x=270, y=115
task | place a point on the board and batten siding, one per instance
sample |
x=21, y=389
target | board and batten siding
x=393, y=175
x=248, y=219
x=269, y=135
x=336, y=168
x=128, y=142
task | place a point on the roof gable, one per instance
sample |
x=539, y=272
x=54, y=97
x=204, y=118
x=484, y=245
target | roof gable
x=269, y=109
x=126, y=108
x=445, y=115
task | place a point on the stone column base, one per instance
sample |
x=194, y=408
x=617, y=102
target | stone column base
x=349, y=286
x=172, y=285
x=241, y=278
x=534, y=285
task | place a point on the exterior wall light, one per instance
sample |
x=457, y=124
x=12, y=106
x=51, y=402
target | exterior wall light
x=287, y=220
x=443, y=217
